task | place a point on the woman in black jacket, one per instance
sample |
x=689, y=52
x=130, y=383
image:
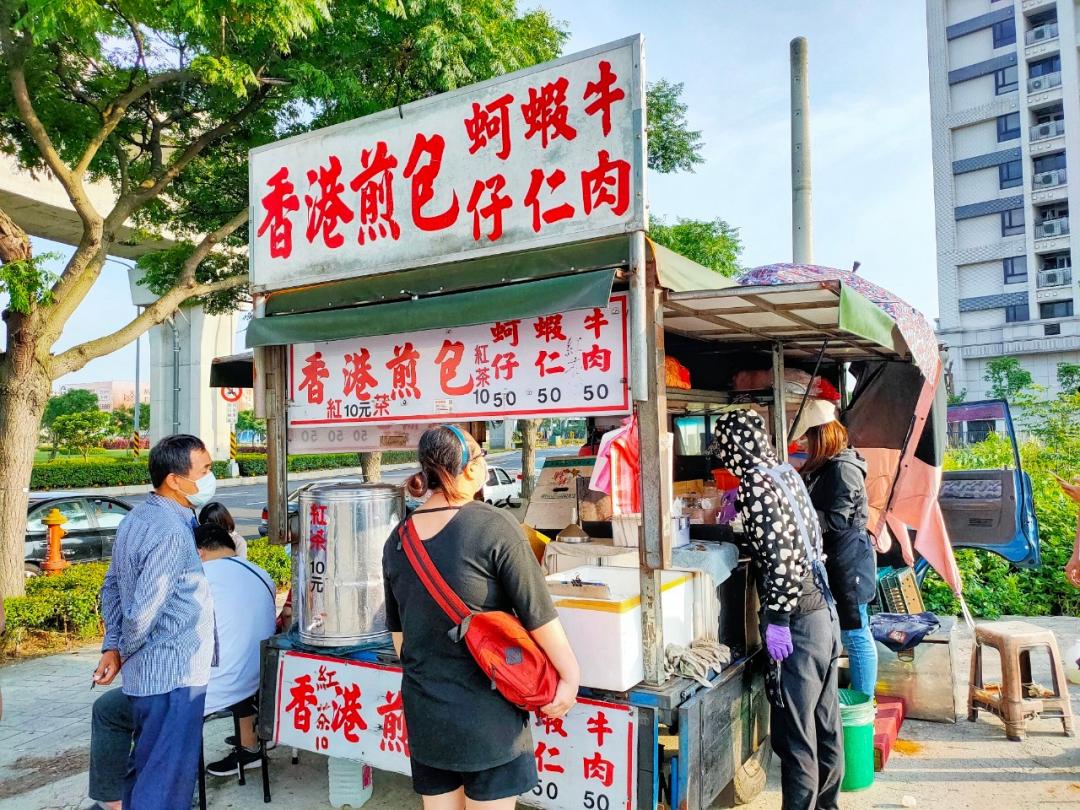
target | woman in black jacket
x=835, y=475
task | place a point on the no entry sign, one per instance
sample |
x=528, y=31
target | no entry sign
x=232, y=394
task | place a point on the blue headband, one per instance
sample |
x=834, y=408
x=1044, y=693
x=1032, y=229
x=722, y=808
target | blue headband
x=464, y=446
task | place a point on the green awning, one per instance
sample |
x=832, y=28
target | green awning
x=676, y=273
x=524, y=299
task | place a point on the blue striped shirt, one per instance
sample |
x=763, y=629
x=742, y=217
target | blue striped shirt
x=158, y=609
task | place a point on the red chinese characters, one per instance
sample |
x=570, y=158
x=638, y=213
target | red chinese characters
x=358, y=376
x=395, y=737
x=503, y=365
x=532, y=198
x=376, y=186
x=303, y=698
x=325, y=206
x=542, y=754
x=595, y=321
x=600, y=769
x=606, y=94
x=382, y=404
x=314, y=372
x=278, y=204
x=598, y=726
x=497, y=202
x=597, y=358
x=448, y=359
x=552, y=725
x=549, y=328
x=546, y=363
x=505, y=330
x=608, y=184
x=545, y=113
x=403, y=369
x=490, y=122
x=347, y=717
x=423, y=175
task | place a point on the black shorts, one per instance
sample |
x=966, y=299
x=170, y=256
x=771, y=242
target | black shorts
x=501, y=782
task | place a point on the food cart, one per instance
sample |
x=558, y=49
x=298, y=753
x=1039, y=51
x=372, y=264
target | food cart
x=497, y=288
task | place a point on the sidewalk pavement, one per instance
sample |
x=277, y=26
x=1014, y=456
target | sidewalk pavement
x=45, y=738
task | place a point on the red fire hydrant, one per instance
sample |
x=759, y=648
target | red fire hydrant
x=54, y=560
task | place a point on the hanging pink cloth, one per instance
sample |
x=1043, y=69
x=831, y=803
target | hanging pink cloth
x=617, y=467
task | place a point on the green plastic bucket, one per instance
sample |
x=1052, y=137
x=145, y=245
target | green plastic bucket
x=857, y=714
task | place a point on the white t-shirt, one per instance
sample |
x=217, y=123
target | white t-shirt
x=244, y=614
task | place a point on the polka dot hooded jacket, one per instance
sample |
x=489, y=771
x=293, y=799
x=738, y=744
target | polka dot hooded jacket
x=785, y=578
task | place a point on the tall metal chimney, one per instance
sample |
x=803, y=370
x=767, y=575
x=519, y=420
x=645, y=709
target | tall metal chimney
x=802, y=243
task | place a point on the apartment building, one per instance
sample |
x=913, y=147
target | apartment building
x=1005, y=114
x=111, y=394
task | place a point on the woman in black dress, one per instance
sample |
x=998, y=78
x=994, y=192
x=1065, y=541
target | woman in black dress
x=470, y=748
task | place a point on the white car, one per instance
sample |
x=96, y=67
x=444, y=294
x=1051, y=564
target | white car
x=502, y=488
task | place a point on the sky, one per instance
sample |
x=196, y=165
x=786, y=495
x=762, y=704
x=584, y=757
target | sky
x=869, y=130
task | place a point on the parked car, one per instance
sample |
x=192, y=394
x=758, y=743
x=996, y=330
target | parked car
x=502, y=489
x=90, y=530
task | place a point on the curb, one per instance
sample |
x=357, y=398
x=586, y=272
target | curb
x=254, y=480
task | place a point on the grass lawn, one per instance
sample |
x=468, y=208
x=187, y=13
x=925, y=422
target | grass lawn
x=41, y=456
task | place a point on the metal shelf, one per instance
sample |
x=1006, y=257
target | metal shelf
x=696, y=396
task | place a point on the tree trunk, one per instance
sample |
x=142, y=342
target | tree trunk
x=371, y=465
x=14, y=243
x=24, y=392
x=529, y=429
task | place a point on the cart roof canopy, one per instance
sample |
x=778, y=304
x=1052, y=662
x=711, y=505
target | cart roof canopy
x=523, y=285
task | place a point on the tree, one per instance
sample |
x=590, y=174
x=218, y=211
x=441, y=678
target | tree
x=529, y=430
x=1007, y=378
x=1068, y=377
x=245, y=421
x=83, y=431
x=163, y=101
x=673, y=146
x=712, y=243
x=122, y=420
x=77, y=400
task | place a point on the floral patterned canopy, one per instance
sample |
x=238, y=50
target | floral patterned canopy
x=917, y=333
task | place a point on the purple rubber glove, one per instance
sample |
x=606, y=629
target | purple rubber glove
x=778, y=642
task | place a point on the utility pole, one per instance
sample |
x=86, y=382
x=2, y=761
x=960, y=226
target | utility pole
x=802, y=243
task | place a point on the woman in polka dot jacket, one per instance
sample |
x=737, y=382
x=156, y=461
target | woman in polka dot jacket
x=798, y=618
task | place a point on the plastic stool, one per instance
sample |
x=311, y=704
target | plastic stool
x=1014, y=642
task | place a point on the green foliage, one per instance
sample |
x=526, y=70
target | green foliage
x=77, y=400
x=1007, y=378
x=79, y=432
x=245, y=420
x=28, y=282
x=67, y=602
x=991, y=586
x=959, y=398
x=272, y=559
x=122, y=420
x=673, y=146
x=1068, y=377
x=712, y=243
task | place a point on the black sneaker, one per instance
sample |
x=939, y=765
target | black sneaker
x=231, y=742
x=229, y=766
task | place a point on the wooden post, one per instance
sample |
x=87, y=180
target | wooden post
x=779, y=416
x=654, y=545
x=276, y=444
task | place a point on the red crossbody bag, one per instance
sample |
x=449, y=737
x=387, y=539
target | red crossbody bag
x=500, y=645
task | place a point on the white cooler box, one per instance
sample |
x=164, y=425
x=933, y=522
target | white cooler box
x=605, y=631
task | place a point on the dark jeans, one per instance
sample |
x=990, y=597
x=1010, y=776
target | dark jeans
x=806, y=734
x=164, y=763
x=111, y=730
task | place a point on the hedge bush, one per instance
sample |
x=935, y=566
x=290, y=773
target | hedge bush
x=272, y=559
x=66, y=603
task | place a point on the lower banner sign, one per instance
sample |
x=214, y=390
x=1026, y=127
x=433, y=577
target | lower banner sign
x=353, y=709
x=566, y=363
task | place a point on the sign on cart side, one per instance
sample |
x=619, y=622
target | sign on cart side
x=353, y=709
x=544, y=156
x=566, y=363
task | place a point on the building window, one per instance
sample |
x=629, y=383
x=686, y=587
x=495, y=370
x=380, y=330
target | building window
x=1051, y=329
x=1015, y=268
x=1056, y=309
x=1006, y=80
x=1010, y=175
x=1005, y=33
x=1012, y=222
x=1049, y=163
x=1016, y=313
x=1045, y=67
x=1008, y=127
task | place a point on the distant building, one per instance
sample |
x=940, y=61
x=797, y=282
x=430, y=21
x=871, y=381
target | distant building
x=1005, y=111
x=110, y=395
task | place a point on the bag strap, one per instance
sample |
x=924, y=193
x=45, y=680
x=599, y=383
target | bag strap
x=429, y=575
x=254, y=573
x=813, y=558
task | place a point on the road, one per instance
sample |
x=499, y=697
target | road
x=247, y=502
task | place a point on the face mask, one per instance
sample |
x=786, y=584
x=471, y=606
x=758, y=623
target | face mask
x=207, y=487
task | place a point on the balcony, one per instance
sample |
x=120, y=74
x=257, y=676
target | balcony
x=1058, y=277
x=1052, y=228
x=1037, y=84
x=1050, y=179
x=1044, y=33
x=1051, y=129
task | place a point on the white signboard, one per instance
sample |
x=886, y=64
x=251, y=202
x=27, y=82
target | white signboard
x=355, y=438
x=544, y=156
x=351, y=709
x=567, y=363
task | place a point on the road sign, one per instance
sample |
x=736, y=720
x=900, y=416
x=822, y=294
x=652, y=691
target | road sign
x=232, y=394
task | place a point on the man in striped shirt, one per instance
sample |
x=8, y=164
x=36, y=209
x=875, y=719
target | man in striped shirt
x=159, y=626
